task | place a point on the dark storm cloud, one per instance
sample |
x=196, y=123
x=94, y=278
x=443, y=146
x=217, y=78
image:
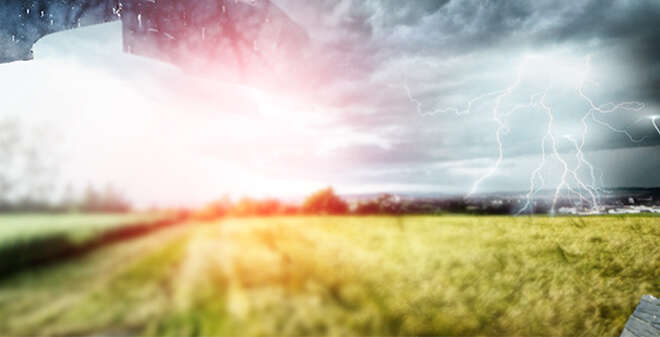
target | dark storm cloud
x=366, y=52
x=359, y=37
x=449, y=52
x=628, y=25
x=22, y=23
x=375, y=31
x=634, y=20
x=407, y=13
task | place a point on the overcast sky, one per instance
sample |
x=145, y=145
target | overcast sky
x=411, y=96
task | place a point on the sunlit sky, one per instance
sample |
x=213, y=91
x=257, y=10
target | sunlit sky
x=167, y=138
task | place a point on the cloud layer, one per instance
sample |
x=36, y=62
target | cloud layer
x=411, y=59
x=379, y=117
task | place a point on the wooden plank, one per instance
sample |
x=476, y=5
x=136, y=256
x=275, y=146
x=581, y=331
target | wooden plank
x=648, y=308
x=645, y=321
x=648, y=299
x=651, y=298
x=641, y=328
x=647, y=317
x=627, y=333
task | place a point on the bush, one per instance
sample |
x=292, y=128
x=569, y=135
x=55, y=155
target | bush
x=252, y=207
x=324, y=201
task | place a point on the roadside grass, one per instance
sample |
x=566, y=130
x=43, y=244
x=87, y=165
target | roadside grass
x=28, y=241
x=415, y=275
x=113, y=290
x=77, y=227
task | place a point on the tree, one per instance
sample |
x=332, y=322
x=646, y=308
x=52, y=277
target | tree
x=27, y=166
x=9, y=143
x=324, y=201
x=215, y=209
x=367, y=207
x=384, y=204
x=110, y=200
x=252, y=207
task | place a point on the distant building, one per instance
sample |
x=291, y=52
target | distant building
x=568, y=210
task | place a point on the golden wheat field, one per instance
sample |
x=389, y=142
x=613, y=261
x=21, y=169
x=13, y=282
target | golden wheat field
x=413, y=275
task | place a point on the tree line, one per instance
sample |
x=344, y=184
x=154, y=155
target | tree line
x=92, y=200
x=327, y=202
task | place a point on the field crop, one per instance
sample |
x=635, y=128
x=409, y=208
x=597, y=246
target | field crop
x=438, y=275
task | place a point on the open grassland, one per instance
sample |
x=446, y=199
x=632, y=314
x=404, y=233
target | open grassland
x=444, y=275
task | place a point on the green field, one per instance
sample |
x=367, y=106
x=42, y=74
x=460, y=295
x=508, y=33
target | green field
x=442, y=275
x=79, y=227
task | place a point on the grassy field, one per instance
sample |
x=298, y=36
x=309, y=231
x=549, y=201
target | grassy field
x=444, y=275
x=79, y=227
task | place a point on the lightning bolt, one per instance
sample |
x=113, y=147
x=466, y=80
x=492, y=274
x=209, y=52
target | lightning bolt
x=607, y=108
x=580, y=192
x=445, y=110
x=653, y=118
x=503, y=128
